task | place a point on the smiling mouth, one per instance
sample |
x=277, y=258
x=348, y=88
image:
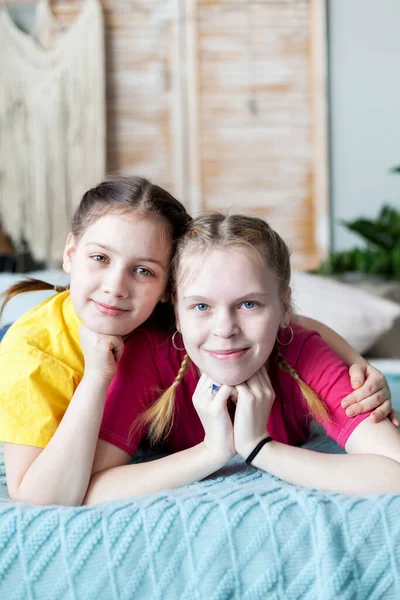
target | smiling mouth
x=233, y=354
x=106, y=309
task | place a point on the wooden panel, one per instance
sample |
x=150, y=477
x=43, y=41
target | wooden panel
x=224, y=103
x=258, y=123
x=139, y=41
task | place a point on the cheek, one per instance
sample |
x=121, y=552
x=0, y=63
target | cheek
x=264, y=326
x=192, y=330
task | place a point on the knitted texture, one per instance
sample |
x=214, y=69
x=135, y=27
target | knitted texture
x=241, y=534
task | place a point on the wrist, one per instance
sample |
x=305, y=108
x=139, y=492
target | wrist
x=96, y=382
x=360, y=361
x=257, y=449
x=217, y=457
x=247, y=447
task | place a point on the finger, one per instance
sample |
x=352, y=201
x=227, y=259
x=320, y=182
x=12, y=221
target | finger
x=366, y=391
x=234, y=395
x=394, y=418
x=118, y=349
x=243, y=392
x=357, y=376
x=259, y=382
x=255, y=385
x=370, y=403
x=265, y=378
x=200, y=393
x=244, y=395
x=222, y=395
x=205, y=384
x=382, y=412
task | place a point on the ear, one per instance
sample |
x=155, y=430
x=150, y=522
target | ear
x=69, y=251
x=286, y=296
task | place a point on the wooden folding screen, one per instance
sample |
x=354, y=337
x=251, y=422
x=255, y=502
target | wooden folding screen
x=224, y=103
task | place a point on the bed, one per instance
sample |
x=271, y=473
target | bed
x=240, y=534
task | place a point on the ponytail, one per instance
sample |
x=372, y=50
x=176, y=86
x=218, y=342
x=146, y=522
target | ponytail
x=160, y=415
x=316, y=407
x=27, y=285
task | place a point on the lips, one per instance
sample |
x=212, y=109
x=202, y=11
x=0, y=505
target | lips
x=231, y=354
x=107, y=309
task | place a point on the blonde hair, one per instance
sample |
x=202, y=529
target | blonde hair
x=160, y=415
x=204, y=234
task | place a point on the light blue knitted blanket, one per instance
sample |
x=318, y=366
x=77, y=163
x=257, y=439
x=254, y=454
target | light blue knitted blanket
x=241, y=534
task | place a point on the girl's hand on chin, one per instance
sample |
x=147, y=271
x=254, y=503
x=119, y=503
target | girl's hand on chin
x=211, y=406
x=101, y=352
x=253, y=407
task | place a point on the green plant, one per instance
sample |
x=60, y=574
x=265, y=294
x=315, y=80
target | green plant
x=381, y=256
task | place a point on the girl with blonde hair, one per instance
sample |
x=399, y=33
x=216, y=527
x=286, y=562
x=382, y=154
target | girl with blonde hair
x=240, y=377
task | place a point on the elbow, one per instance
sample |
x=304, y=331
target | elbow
x=18, y=494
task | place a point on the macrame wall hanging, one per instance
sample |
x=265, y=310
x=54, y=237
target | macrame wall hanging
x=52, y=125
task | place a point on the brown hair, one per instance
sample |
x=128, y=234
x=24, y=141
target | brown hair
x=203, y=235
x=121, y=195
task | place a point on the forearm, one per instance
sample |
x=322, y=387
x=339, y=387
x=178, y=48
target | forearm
x=61, y=473
x=151, y=477
x=333, y=339
x=344, y=473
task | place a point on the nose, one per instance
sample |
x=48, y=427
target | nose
x=115, y=283
x=225, y=324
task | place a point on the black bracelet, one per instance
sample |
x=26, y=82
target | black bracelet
x=257, y=449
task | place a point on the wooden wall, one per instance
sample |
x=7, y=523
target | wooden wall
x=224, y=103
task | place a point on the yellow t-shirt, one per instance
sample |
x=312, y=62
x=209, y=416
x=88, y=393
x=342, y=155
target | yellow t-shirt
x=41, y=365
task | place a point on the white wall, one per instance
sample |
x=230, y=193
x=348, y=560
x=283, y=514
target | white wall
x=364, y=109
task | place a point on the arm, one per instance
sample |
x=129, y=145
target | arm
x=170, y=472
x=333, y=339
x=371, y=390
x=180, y=468
x=372, y=465
x=60, y=473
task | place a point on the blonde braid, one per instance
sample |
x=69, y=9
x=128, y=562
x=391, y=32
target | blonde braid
x=316, y=406
x=160, y=415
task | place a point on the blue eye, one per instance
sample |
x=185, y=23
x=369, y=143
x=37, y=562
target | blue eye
x=249, y=304
x=201, y=307
x=143, y=271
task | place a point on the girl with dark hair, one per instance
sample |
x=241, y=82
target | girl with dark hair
x=57, y=360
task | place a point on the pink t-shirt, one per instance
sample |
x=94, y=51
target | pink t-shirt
x=150, y=363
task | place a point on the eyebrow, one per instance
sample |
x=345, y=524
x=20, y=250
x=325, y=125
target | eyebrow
x=138, y=258
x=241, y=299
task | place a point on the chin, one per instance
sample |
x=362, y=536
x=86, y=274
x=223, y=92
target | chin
x=109, y=328
x=233, y=375
x=231, y=379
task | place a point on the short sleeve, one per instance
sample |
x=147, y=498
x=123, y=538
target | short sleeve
x=35, y=392
x=135, y=386
x=327, y=374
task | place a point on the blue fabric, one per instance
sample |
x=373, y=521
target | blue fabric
x=241, y=534
x=3, y=330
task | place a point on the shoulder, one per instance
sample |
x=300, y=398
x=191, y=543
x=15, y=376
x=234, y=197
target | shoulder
x=317, y=364
x=153, y=340
x=48, y=331
x=304, y=340
x=149, y=359
x=314, y=360
x=147, y=339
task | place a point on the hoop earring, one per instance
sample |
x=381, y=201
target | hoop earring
x=173, y=342
x=291, y=336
